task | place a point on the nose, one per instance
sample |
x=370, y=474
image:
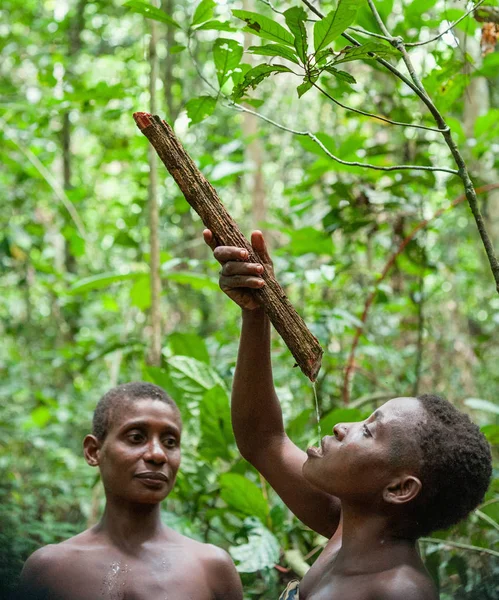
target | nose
x=340, y=431
x=155, y=452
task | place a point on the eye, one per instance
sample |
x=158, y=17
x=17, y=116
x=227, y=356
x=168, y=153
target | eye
x=170, y=442
x=135, y=437
x=366, y=431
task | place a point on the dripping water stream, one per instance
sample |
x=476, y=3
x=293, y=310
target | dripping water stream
x=317, y=413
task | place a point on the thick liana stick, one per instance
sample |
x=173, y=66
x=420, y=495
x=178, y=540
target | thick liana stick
x=203, y=198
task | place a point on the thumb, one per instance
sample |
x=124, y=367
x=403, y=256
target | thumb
x=260, y=247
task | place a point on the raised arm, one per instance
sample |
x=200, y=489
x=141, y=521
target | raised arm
x=256, y=412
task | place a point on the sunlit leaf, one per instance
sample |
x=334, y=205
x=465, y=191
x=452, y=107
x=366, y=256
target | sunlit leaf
x=334, y=24
x=255, y=76
x=227, y=56
x=192, y=375
x=216, y=25
x=96, y=282
x=367, y=51
x=196, y=281
x=275, y=50
x=200, y=108
x=264, y=27
x=203, y=12
x=295, y=20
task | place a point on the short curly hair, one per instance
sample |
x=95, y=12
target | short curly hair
x=456, y=465
x=119, y=396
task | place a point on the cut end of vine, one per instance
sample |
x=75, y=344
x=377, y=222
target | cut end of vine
x=142, y=119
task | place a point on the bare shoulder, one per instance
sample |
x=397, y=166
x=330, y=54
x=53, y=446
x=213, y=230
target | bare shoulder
x=218, y=567
x=42, y=571
x=404, y=583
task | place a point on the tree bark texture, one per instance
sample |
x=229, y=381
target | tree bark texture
x=203, y=198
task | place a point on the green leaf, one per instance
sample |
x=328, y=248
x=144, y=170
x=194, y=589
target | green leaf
x=216, y=26
x=177, y=49
x=203, y=12
x=191, y=375
x=97, y=282
x=217, y=438
x=227, y=55
x=140, y=294
x=189, y=344
x=261, y=552
x=341, y=75
x=151, y=12
x=304, y=87
x=200, y=108
x=275, y=50
x=295, y=20
x=264, y=27
x=366, y=52
x=485, y=405
x=244, y=496
x=255, y=76
x=334, y=24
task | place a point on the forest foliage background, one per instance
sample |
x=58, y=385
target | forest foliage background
x=81, y=248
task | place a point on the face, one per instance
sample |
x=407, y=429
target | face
x=140, y=456
x=358, y=461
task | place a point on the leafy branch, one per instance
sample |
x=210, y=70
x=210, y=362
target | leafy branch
x=350, y=368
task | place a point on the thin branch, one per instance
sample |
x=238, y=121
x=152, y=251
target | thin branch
x=350, y=368
x=373, y=116
x=51, y=181
x=336, y=158
x=371, y=33
x=426, y=540
x=379, y=20
x=280, y=12
x=469, y=188
x=437, y=37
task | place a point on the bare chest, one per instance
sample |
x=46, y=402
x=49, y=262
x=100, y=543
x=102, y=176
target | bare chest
x=154, y=577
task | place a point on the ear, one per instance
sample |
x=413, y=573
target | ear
x=403, y=489
x=91, y=450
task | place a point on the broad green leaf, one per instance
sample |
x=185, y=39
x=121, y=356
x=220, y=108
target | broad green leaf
x=304, y=87
x=341, y=75
x=191, y=375
x=177, y=49
x=140, y=294
x=366, y=52
x=227, y=56
x=216, y=26
x=334, y=24
x=261, y=552
x=295, y=20
x=200, y=108
x=255, y=76
x=485, y=405
x=275, y=50
x=217, y=438
x=189, y=344
x=151, y=12
x=244, y=496
x=162, y=378
x=97, y=282
x=203, y=12
x=264, y=27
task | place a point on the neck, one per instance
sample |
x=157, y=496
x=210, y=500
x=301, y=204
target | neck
x=370, y=542
x=128, y=526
